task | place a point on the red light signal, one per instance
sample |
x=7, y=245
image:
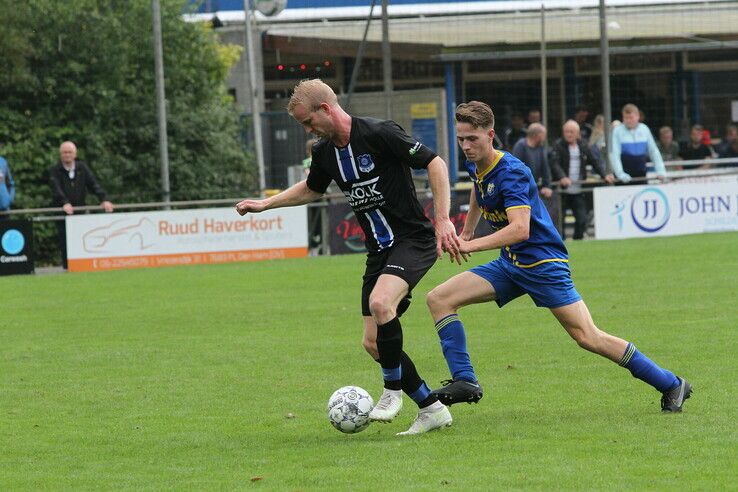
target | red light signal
x=283, y=69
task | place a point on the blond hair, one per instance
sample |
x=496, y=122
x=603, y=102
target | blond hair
x=311, y=93
x=630, y=108
x=598, y=130
x=477, y=114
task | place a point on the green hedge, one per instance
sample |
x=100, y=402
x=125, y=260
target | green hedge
x=83, y=70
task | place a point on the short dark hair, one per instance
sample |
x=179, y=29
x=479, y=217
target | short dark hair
x=477, y=114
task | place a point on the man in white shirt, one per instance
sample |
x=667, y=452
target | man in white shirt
x=569, y=161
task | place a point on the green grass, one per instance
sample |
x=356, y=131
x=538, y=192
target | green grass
x=183, y=378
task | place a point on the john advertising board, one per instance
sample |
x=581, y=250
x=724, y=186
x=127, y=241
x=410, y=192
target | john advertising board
x=667, y=210
x=183, y=237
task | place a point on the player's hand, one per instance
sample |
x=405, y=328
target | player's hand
x=458, y=256
x=68, y=209
x=250, y=206
x=624, y=177
x=565, y=182
x=465, y=247
x=448, y=241
x=546, y=192
x=610, y=178
x=107, y=206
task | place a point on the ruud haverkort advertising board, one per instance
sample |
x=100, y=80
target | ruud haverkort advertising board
x=183, y=237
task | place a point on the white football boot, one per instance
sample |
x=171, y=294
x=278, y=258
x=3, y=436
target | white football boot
x=388, y=406
x=432, y=417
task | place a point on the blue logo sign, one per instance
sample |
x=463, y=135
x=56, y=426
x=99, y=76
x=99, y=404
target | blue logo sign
x=366, y=164
x=13, y=241
x=649, y=210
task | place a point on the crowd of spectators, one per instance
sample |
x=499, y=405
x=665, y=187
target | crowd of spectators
x=699, y=144
x=567, y=163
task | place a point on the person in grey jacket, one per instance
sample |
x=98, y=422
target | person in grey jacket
x=532, y=151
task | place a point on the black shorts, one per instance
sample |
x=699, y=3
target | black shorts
x=408, y=259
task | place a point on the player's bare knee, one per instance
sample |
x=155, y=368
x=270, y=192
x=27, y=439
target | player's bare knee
x=585, y=337
x=436, y=302
x=433, y=301
x=586, y=344
x=381, y=309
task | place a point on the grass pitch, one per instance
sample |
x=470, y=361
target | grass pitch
x=217, y=377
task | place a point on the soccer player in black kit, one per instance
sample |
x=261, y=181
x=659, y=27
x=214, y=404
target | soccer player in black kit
x=370, y=160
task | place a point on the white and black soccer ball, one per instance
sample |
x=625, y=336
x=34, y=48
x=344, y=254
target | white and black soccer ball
x=348, y=409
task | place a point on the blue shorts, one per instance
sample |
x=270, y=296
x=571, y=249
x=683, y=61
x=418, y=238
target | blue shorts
x=548, y=284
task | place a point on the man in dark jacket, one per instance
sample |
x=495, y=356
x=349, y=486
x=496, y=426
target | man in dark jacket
x=516, y=131
x=70, y=180
x=569, y=160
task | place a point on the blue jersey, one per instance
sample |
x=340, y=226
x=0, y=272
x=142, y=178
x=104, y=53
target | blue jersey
x=508, y=184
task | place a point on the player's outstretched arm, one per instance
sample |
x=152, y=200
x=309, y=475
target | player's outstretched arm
x=515, y=232
x=446, y=237
x=298, y=194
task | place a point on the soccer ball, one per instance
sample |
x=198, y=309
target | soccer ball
x=348, y=409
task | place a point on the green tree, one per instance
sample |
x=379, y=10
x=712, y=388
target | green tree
x=83, y=70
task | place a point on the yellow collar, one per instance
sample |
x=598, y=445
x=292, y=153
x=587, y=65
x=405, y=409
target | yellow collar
x=482, y=174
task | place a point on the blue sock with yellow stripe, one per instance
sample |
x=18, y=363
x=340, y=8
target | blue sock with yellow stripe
x=646, y=370
x=453, y=343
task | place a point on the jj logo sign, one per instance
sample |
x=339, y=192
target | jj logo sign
x=671, y=209
x=649, y=210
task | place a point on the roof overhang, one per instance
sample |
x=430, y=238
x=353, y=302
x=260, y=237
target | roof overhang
x=469, y=32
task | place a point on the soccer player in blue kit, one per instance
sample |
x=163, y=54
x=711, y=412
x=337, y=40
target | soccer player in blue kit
x=370, y=161
x=533, y=260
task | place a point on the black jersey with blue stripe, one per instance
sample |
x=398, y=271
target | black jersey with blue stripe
x=509, y=184
x=374, y=172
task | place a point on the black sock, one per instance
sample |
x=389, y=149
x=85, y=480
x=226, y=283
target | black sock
x=411, y=383
x=389, y=346
x=403, y=305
